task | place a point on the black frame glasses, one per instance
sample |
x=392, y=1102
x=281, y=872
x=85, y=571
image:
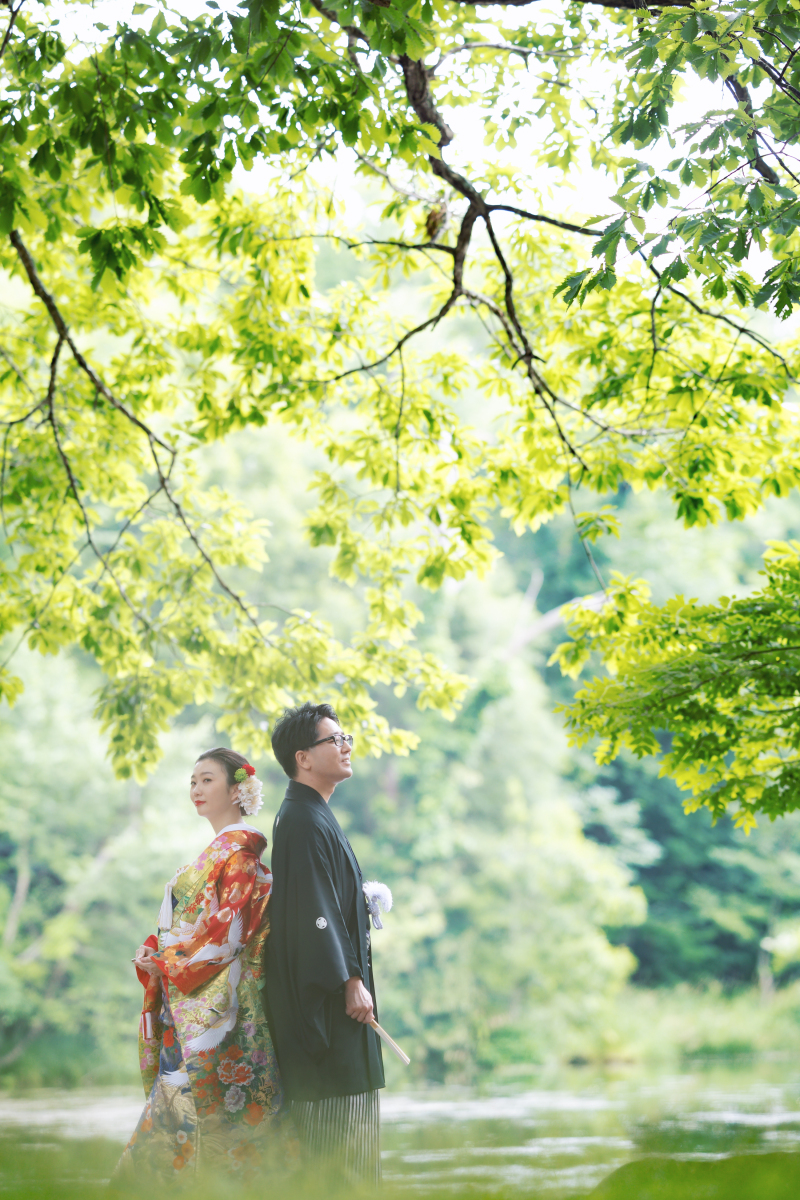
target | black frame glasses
x=338, y=740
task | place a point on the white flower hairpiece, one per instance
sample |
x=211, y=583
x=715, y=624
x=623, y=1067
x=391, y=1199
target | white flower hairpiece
x=250, y=789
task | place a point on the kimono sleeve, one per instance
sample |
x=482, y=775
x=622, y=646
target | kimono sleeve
x=219, y=936
x=150, y=983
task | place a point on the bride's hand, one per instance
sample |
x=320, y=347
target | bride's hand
x=145, y=963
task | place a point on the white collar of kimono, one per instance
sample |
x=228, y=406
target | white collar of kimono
x=240, y=825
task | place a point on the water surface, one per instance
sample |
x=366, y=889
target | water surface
x=558, y=1140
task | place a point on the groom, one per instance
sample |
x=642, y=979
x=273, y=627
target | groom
x=320, y=991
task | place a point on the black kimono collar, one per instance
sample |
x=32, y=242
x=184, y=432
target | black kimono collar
x=301, y=791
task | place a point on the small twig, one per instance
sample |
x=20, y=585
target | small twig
x=789, y=59
x=351, y=30
x=398, y=426
x=32, y=624
x=4, y=354
x=378, y=362
x=73, y=484
x=524, y=52
x=521, y=212
x=61, y=328
x=409, y=193
x=654, y=339
x=209, y=562
x=320, y=146
x=11, y=22
x=586, y=547
x=714, y=385
x=717, y=316
x=772, y=150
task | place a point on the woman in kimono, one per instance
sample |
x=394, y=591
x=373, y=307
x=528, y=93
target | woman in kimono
x=208, y=1066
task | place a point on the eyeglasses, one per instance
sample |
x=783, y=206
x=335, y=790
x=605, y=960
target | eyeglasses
x=338, y=740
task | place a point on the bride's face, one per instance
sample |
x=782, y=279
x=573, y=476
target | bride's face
x=211, y=794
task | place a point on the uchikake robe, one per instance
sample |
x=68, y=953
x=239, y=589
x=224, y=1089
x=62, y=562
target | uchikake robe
x=208, y=1067
x=319, y=938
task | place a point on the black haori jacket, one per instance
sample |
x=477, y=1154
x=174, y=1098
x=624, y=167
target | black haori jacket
x=319, y=938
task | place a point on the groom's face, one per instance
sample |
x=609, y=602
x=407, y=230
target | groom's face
x=330, y=760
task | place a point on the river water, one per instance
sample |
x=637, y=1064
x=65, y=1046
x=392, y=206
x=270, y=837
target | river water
x=557, y=1140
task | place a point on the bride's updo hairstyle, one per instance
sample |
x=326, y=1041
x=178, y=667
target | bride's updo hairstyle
x=228, y=759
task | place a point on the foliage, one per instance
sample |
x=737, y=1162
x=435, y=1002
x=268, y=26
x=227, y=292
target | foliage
x=515, y=864
x=81, y=857
x=713, y=896
x=722, y=678
x=469, y=985
x=496, y=950
x=688, y=1026
x=129, y=562
x=192, y=312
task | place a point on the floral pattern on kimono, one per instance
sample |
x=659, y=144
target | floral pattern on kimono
x=208, y=1066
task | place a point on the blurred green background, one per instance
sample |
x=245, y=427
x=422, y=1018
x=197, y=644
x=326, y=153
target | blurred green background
x=546, y=912
x=582, y=973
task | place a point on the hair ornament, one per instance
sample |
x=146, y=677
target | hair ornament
x=250, y=788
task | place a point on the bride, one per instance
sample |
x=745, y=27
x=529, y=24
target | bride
x=208, y=1066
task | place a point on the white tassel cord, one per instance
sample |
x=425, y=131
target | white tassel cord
x=165, y=912
x=377, y=894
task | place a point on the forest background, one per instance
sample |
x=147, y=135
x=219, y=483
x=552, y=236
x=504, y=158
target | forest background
x=546, y=910
x=415, y=489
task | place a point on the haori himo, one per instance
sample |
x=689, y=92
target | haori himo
x=209, y=1070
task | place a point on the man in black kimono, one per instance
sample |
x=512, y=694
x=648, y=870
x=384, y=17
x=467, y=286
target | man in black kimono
x=320, y=990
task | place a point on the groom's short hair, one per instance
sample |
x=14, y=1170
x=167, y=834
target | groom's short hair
x=296, y=730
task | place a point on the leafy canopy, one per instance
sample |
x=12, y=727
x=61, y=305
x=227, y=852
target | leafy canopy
x=157, y=308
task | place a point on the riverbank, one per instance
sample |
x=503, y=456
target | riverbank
x=558, y=1140
x=670, y=1028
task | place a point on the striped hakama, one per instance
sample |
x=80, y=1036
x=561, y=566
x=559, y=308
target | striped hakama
x=341, y=1133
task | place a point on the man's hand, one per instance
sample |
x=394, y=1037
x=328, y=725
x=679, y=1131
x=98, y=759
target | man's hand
x=357, y=1001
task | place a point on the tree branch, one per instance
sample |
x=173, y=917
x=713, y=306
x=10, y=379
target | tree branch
x=778, y=79
x=153, y=442
x=629, y=4
x=522, y=212
x=14, y=13
x=509, y=47
x=4, y=354
x=73, y=484
x=742, y=95
x=63, y=331
x=232, y=595
x=396, y=187
x=352, y=31
x=717, y=316
x=378, y=362
x=417, y=77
